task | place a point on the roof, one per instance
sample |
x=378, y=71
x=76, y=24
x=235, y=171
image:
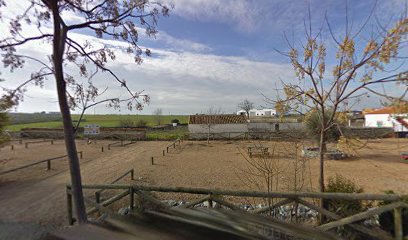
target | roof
x=217, y=119
x=386, y=110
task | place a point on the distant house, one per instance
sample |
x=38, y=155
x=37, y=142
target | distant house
x=267, y=112
x=199, y=126
x=387, y=117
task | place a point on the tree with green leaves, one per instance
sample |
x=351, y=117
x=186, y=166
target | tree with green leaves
x=58, y=23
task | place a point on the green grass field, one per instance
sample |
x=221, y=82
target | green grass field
x=102, y=120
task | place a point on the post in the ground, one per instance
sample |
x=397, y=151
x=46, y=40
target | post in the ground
x=69, y=206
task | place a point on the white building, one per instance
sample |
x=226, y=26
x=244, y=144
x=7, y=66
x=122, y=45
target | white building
x=386, y=117
x=267, y=112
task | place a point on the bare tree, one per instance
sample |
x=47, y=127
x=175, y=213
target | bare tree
x=158, y=115
x=354, y=70
x=209, y=120
x=114, y=19
x=246, y=105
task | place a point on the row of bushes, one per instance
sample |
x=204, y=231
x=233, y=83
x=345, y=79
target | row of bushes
x=129, y=122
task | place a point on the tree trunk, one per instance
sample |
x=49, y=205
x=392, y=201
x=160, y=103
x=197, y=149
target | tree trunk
x=322, y=150
x=58, y=52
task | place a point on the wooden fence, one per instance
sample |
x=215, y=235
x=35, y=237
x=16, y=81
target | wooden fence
x=48, y=161
x=132, y=177
x=172, y=144
x=266, y=135
x=396, y=204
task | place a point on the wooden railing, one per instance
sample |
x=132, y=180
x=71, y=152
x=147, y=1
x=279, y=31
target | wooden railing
x=48, y=161
x=172, y=144
x=132, y=177
x=303, y=198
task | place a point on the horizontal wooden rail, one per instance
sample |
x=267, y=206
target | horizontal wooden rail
x=98, y=193
x=203, y=191
x=172, y=144
x=213, y=195
x=43, y=141
x=38, y=162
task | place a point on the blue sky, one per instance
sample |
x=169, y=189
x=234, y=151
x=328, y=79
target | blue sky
x=218, y=52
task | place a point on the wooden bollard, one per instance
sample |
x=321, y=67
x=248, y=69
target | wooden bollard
x=131, y=198
x=167, y=149
x=97, y=197
x=80, y=155
x=132, y=174
x=102, y=149
x=152, y=160
x=174, y=145
x=12, y=147
x=163, y=153
x=48, y=165
x=69, y=206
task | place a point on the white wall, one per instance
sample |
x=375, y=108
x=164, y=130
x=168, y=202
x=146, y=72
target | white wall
x=378, y=120
x=383, y=120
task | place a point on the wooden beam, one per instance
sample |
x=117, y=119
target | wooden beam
x=359, y=216
x=293, y=195
x=370, y=232
x=268, y=208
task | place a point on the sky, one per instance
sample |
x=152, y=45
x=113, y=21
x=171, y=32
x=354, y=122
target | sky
x=210, y=53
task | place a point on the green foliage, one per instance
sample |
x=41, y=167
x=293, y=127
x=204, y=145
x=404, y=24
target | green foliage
x=127, y=123
x=141, y=123
x=386, y=219
x=341, y=184
x=175, y=120
x=107, y=120
x=24, y=118
x=313, y=122
x=167, y=134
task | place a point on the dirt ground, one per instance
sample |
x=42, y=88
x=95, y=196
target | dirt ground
x=37, y=195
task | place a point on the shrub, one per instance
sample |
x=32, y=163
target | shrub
x=386, y=219
x=312, y=123
x=141, y=123
x=126, y=122
x=175, y=120
x=341, y=184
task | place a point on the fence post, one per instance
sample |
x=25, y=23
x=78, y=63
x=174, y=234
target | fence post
x=80, y=154
x=52, y=142
x=48, y=165
x=12, y=147
x=398, y=224
x=97, y=197
x=163, y=153
x=174, y=145
x=102, y=149
x=131, y=198
x=152, y=161
x=167, y=149
x=132, y=174
x=69, y=206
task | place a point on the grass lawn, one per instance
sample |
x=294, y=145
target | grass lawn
x=102, y=120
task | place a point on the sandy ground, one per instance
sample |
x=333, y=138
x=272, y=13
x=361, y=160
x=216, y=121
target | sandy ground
x=35, y=195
